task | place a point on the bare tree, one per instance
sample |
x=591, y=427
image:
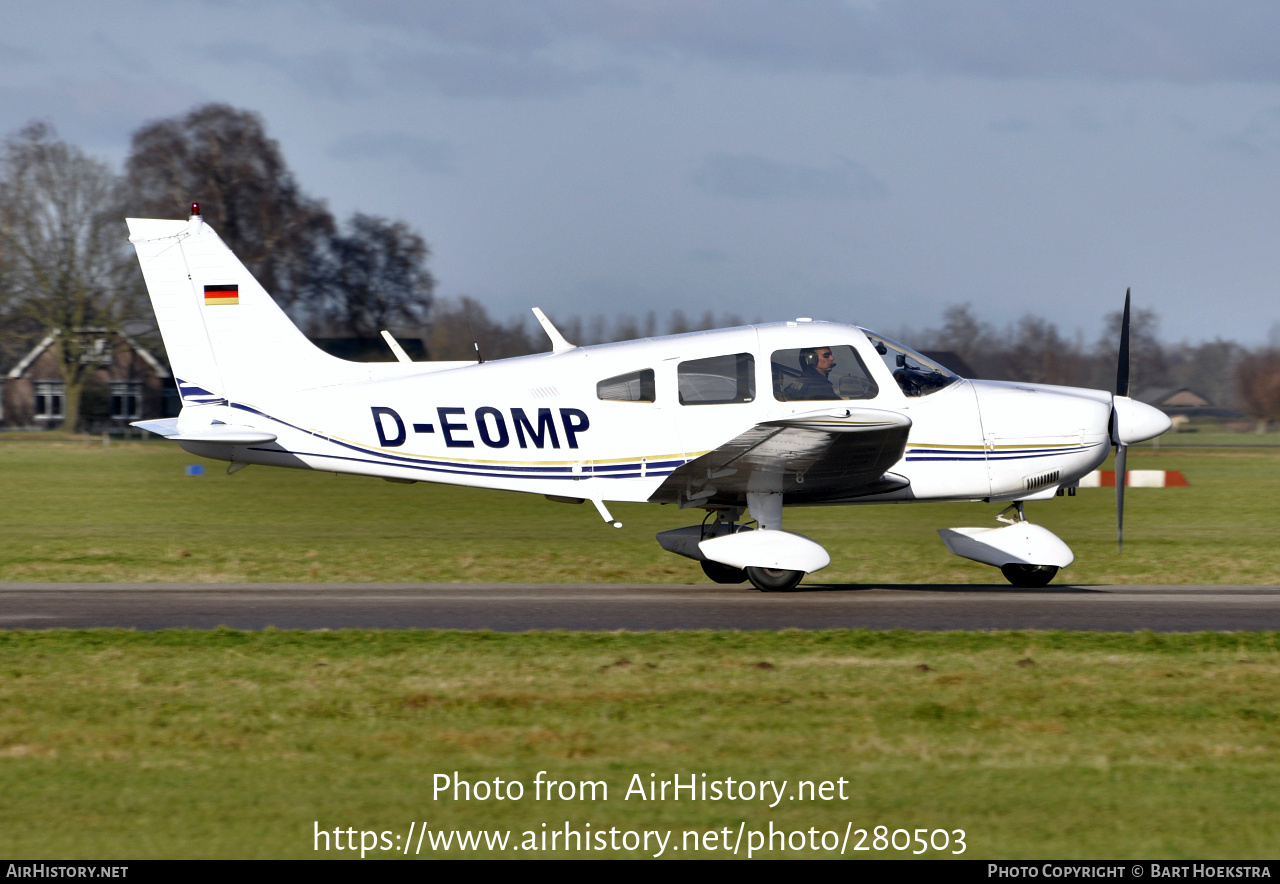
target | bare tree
x=456, y=326
x=625, y=328
x=374, y=277
x=1033, y=349
x=222, y=158
x=18, y=329
x=1208, y=367
x=1037, y=353
x=64, y=257
x=598, y=332
x=1149, y=364
x=971, y=339
x=1257, y=377
x=678, y=324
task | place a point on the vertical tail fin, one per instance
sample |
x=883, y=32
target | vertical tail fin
x=225, y=336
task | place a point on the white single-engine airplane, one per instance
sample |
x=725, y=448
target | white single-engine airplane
x=734, y=421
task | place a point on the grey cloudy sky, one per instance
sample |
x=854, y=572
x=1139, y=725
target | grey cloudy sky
x=847, y=159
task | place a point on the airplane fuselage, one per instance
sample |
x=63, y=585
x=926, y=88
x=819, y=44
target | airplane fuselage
x=542, y=423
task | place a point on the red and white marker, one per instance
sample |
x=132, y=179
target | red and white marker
x=1136, y=479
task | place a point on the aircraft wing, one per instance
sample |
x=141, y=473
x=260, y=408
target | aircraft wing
x=825, y=455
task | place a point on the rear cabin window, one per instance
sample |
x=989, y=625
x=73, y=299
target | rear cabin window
x=718, y=380
x=636, y=386
x=821, y=374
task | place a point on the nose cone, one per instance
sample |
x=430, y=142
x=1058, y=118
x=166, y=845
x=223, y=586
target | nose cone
x=1137, y=421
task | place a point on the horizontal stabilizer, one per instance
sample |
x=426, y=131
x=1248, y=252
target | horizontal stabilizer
x=217, y=434
x=167, y=427
x=227, y=435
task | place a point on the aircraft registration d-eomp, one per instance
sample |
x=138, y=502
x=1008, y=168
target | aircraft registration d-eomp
x=739, y=422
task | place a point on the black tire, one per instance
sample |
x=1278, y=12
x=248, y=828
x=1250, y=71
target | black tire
x=1029, y=576
x=721, y=573
x=774, y=579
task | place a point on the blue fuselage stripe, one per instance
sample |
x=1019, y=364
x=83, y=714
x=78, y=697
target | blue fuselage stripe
x=586, y=474
x=606, y=471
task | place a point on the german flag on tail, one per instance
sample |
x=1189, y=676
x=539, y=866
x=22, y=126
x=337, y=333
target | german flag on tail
x=221, y=294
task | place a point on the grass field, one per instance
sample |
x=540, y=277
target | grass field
x=231, y=744
x=73, y=510
x=181, y=743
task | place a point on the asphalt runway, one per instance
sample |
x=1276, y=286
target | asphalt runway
x=518, y=607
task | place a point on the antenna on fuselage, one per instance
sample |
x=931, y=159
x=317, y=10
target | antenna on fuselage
x=558, y=342
x=475, y=342
x=400, y=355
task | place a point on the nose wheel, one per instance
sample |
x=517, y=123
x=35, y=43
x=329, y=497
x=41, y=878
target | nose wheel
x=774, y=579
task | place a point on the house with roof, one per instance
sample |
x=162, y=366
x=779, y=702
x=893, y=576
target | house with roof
x=126, y=383
x=1173, y=399
x=1184, y=403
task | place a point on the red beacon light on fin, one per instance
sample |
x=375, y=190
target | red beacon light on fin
x=195, y=210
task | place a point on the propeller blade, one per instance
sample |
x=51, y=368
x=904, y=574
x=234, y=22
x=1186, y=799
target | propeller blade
x=1121, y=481
x=1122, y=367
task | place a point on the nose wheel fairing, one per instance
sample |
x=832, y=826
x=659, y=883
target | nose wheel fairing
x=1019, y=544
x=1027, y=555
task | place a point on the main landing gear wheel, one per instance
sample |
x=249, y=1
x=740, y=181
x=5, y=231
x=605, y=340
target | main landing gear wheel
x=774, y=579
x=1029, y=576
x=722, y=573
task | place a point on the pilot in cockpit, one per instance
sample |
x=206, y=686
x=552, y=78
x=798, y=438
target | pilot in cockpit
x=815, y=370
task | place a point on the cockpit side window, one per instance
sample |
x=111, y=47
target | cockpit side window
x=635, y=386
x=916, y=375
x=821, y=373
x=717, y=379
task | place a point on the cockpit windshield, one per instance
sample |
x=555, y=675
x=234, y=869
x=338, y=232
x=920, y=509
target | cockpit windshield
x=915, y=374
